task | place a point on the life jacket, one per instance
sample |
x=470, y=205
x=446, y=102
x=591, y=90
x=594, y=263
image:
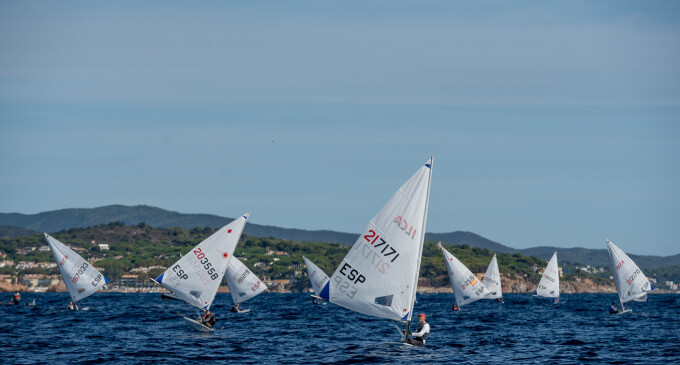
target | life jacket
x=17, y=296
x=425, y=335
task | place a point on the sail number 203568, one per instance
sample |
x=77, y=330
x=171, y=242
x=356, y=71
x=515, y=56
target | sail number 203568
x=210, y=270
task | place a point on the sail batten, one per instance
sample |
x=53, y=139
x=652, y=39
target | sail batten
x=378, y=277
x=197, y=275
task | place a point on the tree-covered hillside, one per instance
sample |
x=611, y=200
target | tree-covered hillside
x=135, y=246
x=145, y=251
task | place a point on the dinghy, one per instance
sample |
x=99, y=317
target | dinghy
x=631, y=283
x=197, y=275
x=242, y=283
x=466, y=287
x=317, y=277
x=379, y=275
x=492, y=281
x=549, y=286
x=80, y=277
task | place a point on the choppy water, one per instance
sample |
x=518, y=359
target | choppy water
x=288, y=329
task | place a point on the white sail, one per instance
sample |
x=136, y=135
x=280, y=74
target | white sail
x=631, y=283
x=242, y=283
x=379, y=275
x=492, y=280
x=466, y=287
x=80, y=277
x=196, y=277
x=549, y=286
x=316, y=276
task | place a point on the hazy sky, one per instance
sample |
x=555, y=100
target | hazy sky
x=550, y=122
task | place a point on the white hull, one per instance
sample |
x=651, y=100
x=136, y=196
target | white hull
x=626, y=311
x=196, y=325
x=398, y=344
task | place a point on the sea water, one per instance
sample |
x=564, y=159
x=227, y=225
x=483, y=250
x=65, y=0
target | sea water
x=289, y=329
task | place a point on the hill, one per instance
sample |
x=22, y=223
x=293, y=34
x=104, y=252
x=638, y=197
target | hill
x=57, y=220
x=14, y=231
x=597, y=258
x=134, y=247
x=138, y=250
x=54, y=221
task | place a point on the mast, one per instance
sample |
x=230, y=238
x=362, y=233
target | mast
x=420, y=251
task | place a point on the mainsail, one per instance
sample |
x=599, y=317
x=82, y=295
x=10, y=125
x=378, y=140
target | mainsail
x=379, y=275
x=196, y=277
x=492, y=280
x=80, y=277
x=242, y=283
x=466, y=287
x=316, y=276
x=549, y=286
x=631, y=283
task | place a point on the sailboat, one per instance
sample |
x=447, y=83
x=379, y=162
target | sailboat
x=379, y=275
x=242, y=283
x=631, y=283
x=466, y=287
x=80, y=277
x=492, y=281
x=549, y=286
x=317, y=277
x=197, y=275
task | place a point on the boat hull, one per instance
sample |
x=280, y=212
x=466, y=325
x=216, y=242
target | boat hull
x=196, y=325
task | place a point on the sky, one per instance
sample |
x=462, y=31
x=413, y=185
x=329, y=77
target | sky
x=551, y=123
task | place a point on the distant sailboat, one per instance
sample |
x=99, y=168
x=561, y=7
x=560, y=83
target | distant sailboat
x=197, y=275
x=631, y=283
x=492, y=280
x=549, y=286
x=80, y=277
x=379, y=275
x=317, y=277
x=242, y=283
x=466, y=287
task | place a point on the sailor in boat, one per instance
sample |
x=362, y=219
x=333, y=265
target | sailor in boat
x=235, y=308
x=613, y=309
x=556, y=300
x=421, y=334
x=208, y=319
x=315, y=300
x=453, y=307
x=17, y=298
x=499, y=300
x=71, y=306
